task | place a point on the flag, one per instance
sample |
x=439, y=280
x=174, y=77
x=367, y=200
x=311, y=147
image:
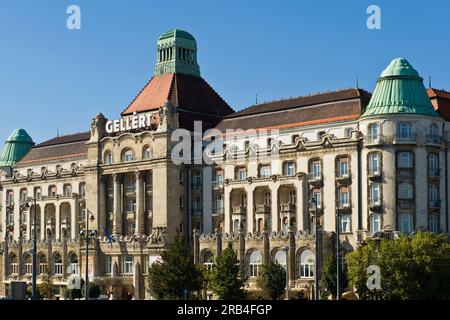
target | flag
x=109, y=237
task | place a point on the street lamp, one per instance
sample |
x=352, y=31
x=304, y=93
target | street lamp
x=313, y=201
x=89, y=216
x=338, y=221
x=286, y=250
x=34, y=250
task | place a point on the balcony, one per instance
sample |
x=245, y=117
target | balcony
x=217, y=211
x=262, y=209
x=343, y=179
x=407, y=139
x=130, y=215
x=196, y=187
x=344, y=207
x=434, y=174
x=405, y=204
x=287, y=208
x=312, y=207
x=374, y=174
x=240, y=210
x=373, y=140
x=375, y=204
x=315, y=179
x=434, y=140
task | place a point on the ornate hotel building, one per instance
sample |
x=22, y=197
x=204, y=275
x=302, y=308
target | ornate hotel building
x=361, y=157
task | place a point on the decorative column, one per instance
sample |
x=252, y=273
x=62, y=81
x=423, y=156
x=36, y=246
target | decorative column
x=43, y=231
x=57, y=221
x=250, y=210
x=219, y=242
x=117, y=224
x=291, y=257
x=75, y=212
x=228, y=210
x=102, y=205
x=242, y=261
x=274, y=210
x=196, y=244
x=140, y=203
x=65, y=259
x=266, y=252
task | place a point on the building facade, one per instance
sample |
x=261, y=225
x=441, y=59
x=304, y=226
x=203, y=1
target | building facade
x=346, y=159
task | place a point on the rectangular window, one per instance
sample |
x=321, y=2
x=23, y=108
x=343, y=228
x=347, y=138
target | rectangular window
x=241, y=173
x=406, y=223
x=289, y=168
x=374, y=131
x=344, y=224
x=405, y=160
x=264, y=171
x=375, y=222
x=316, y=170
x=375, y=194
x=344, y=198
x=374, y=164
x=343, y=168
x=318, y=196
x=127, y=265
x=404, y=131
x=108, y=265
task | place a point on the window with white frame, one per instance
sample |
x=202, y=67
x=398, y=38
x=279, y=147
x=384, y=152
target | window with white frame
x=23, y=196
x=241, y=173
x=375, y=193
x=405, y=160
x=67, y=190
x=433, y=223
x=374, y=131
x=280, y=258
x=374, y=163
x=307, y=262
x=208, y=260
x=406, y=223
x=43, y=265
x=108, y=265
x=127, y=265
x=404, y=131
x=433, y=132
x=255, y=263
x=130, y=205
x=292, y=197
x=405, y=191
x=316, y=169
x=58, y=265
x=317, y=195
x=13, y=264
x=289, y=168
x=342, y=167
x=10, y=198
x=28, y=265
x=264, y=171
x=73, y=264
x=345, y=223
x=218, y=202
x=433, y=165
x=267, y=198
x=375, y=222
x=433, y=196
x=344, y=197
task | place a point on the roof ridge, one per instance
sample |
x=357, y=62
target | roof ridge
x=42, y=144
x=218, y=94
x=359, y=90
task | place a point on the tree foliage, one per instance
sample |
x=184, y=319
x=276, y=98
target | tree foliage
x=412, y=267
x=329, y=279
x=175, y=274
x=45, y=288
x=272, y=281
x=225, y=278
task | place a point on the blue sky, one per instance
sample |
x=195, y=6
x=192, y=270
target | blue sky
x=54, y=78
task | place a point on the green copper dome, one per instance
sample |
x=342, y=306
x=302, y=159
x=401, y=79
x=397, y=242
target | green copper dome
x=16, y=147
x=399, y=90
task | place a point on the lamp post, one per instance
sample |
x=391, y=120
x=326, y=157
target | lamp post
x=34, y=250
x=89, y=216
x=337, y=242
x=313, y=201
x=286, y=250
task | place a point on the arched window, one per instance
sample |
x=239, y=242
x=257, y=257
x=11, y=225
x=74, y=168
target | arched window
x=405, y=160
x=58, y=266
x=73, y=262
x=307, y=261
x=280, y=258
x=406, y=223
x=405, y=190
x=43, y=265
x=127, y=155
x=52, y=191
x=147, y=153
x=108, y=158
x=208, y=260
x=13, y=264
x=255, y=263
x=434, y=223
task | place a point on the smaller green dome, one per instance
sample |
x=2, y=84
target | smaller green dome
x=16, y=147
x=399, y=90
x=176, y=33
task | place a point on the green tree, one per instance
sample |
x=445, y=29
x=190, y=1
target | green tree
x=411, y=267
x=72, y=294
x=272, y=281
x=329, y=279
x=225, y=278
x=93, y=290
x=175, y=274
x=45, y=288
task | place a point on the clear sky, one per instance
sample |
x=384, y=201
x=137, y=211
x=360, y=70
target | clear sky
x=52, y=77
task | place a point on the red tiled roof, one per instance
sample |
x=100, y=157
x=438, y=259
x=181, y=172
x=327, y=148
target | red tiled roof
x=183, y=91
x=441, y=102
